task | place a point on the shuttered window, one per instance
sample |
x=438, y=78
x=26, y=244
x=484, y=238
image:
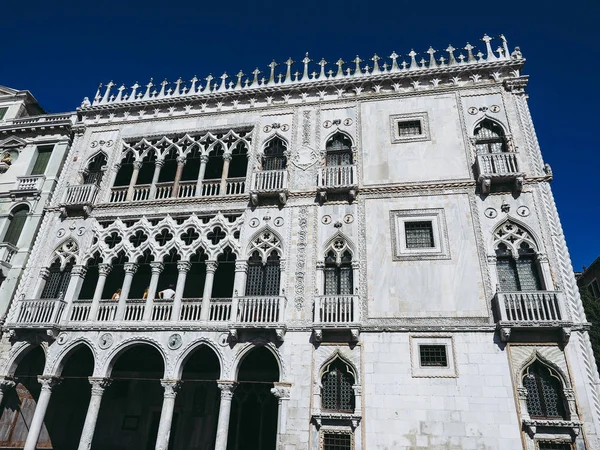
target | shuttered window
x=15, y=227
x=263, y=279
x=41, y=162
x=57, y=281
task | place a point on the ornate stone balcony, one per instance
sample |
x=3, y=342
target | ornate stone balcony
x=7, y=251
x=269, y=183
x=36, y=313
x=337, y=179
x=79, y=197
x=498, y=168
x=533, y=310
x=29, y=185
x=340, y=312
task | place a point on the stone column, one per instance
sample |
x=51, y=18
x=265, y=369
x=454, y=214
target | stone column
x=41, y=282
x=203, y=161
x=239, y=286
x=111, y=181
x=89, y=426
x=103, y=271
x=226, y=161
x=183, y=267
x=130, y=269
x=320, y=288
x=77, y=275
x=157, y=166
x=180, y=164
x=545, y=272
x=156, y=268
x=211, y=268
x=166, y=416
x=6, y=385
x=137, y=165
x=282, y=392
x=227, y=388
x=37, y=422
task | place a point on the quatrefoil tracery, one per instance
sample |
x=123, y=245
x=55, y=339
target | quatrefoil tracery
x=512, y=237
x=265, y=243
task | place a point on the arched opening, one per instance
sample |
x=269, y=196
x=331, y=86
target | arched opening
x=168, y=277
x=545, y=397
x=197, y=403
x=338, y=272
x=214, y=166
x=126, y=170
x=147, y=170
x=338, y=150
x=337, y=392
x=131, y=406
x=274, y=155
x=225, y=274
x=114, y=280
x=254, y=410
x=95, y=170
x=196, y=277
x=167, y=173
x=91, y=278
x=239, y=161
x=19, y=403
x=489, y=137
x=70, y=399
x=16, y=222
x=191, y=169
x=141, y=279
x=58, y=279
x=263, y=277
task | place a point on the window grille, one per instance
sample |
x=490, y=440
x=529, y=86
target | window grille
x=339, y=150
x=544, y=393
x=16, y=224
x=337, y=441
x=274, y=155
x=409, y=128
x=489, y=138
x=549, y=445
x=337, y=393
x=263, y=279
x=433, y=356
x=41, y=161
x=338, y=278
x=57, y=281
x=517, y=275
x=419, y=234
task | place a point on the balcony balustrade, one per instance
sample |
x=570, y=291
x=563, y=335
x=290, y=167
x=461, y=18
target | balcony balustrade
x=7, y=251
x=79, y=197
x=336, y=312
x=269, y=183
x=29, y=185
x=530, y=310
x=498, y=167
x=37, y=313
x=337, y=179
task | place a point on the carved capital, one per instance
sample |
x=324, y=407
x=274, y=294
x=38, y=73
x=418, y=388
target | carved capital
x=130, y=268
x=48, y=382
x=78, y=271
x=44, y=273
x=184, y=266
x=241, y=266
x=6, y=384
x=159, y=162
x=211, y=266
x=171, y=387
x=227, y=389
x=203, y=159
x=181, y=160
x=99, y=385
x=227, y=156
x=281, y=390
x=104, y=269
x=137, y=165
x=156, y=267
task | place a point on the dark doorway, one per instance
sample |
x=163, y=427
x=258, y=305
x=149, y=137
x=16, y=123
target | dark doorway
x=253, y=422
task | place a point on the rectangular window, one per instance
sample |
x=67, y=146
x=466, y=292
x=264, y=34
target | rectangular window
x=3, y=112
x=419, y=234
x=409, y=128
x=433, y=356
x=337, y=441
x=41, y=162
x=548, y=445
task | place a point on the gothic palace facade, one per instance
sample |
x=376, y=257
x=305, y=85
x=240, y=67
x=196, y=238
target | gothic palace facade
x=346, y=258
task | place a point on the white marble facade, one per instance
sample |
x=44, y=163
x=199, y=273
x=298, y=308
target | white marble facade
x=401, y=298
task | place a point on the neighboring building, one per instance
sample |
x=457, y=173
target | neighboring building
x=352, y=258
x=33, y=147
x=589, y=279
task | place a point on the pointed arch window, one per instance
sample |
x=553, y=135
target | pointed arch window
x=263, y=277
x=516, y=259
x=337, y=393
x=94, y=170
x=58, y=280
x=338, y=273
x=338, y=150
x=16, y=223
x=489, y=137
x=274, y=155
x=545, y=397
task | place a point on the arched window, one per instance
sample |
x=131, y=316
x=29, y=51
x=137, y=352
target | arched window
x=58, y=280
x=545, y=398
x=263, y=277
x=16, y=223
x=338, y=273
x=124, y=174
x=93, y=172
x=337, y=393
x=239, y=161
x=274, y=155
x=339, y=150
x=516, y=259
x=489, y=137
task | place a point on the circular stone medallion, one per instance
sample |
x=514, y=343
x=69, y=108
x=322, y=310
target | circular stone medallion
x=105, y=341
x=174, y=341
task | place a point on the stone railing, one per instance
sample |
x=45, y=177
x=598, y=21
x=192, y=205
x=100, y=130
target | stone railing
x=269, y=181
x=498, y=164
x=41, y=119
x=260, y=310
x=32, y=183
x=80, y=195
x=336, y=310
x=7, y=251
x=337, y=177
x=36, y=313
x=118, y=194
x=187, y=189
x=530, y=307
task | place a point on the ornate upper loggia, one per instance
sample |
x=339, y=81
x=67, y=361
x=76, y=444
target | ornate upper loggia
x=442, y=70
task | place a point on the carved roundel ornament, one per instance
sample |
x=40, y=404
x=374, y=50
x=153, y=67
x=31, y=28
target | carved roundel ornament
x=491, y=213
x=62, y=338
x=326, y=220
x=278, y=221
x=254, y=222
x=472, y=110
x=523, y=211
x=495, y=108
x=348, y=218
x=105, y=341
x=174, y=341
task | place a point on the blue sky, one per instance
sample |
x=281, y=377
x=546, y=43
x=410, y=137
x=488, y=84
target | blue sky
x=61, y=50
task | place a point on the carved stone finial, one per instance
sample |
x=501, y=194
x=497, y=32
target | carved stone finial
x=272, y=66
x=148, y=88
x=255, y=72
x=357, y=62
x=97, y=97
x=516, y=54
x=340, y=64
x=394, y=58
x=505, y=46
x=134, y=89
x=107, y=92
x=322, y=63
x=208, y=79
x=120, y=94
x=306, y=60
x=192, y=90
x=451, y=59
x=288, y=70
x=469, y=48
x=423, y=63
x=178, y=83
x=162, y=88
x=375, y=60
x=488, y=46
x=432, y=62
x=223, y=86
x=413, y=60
